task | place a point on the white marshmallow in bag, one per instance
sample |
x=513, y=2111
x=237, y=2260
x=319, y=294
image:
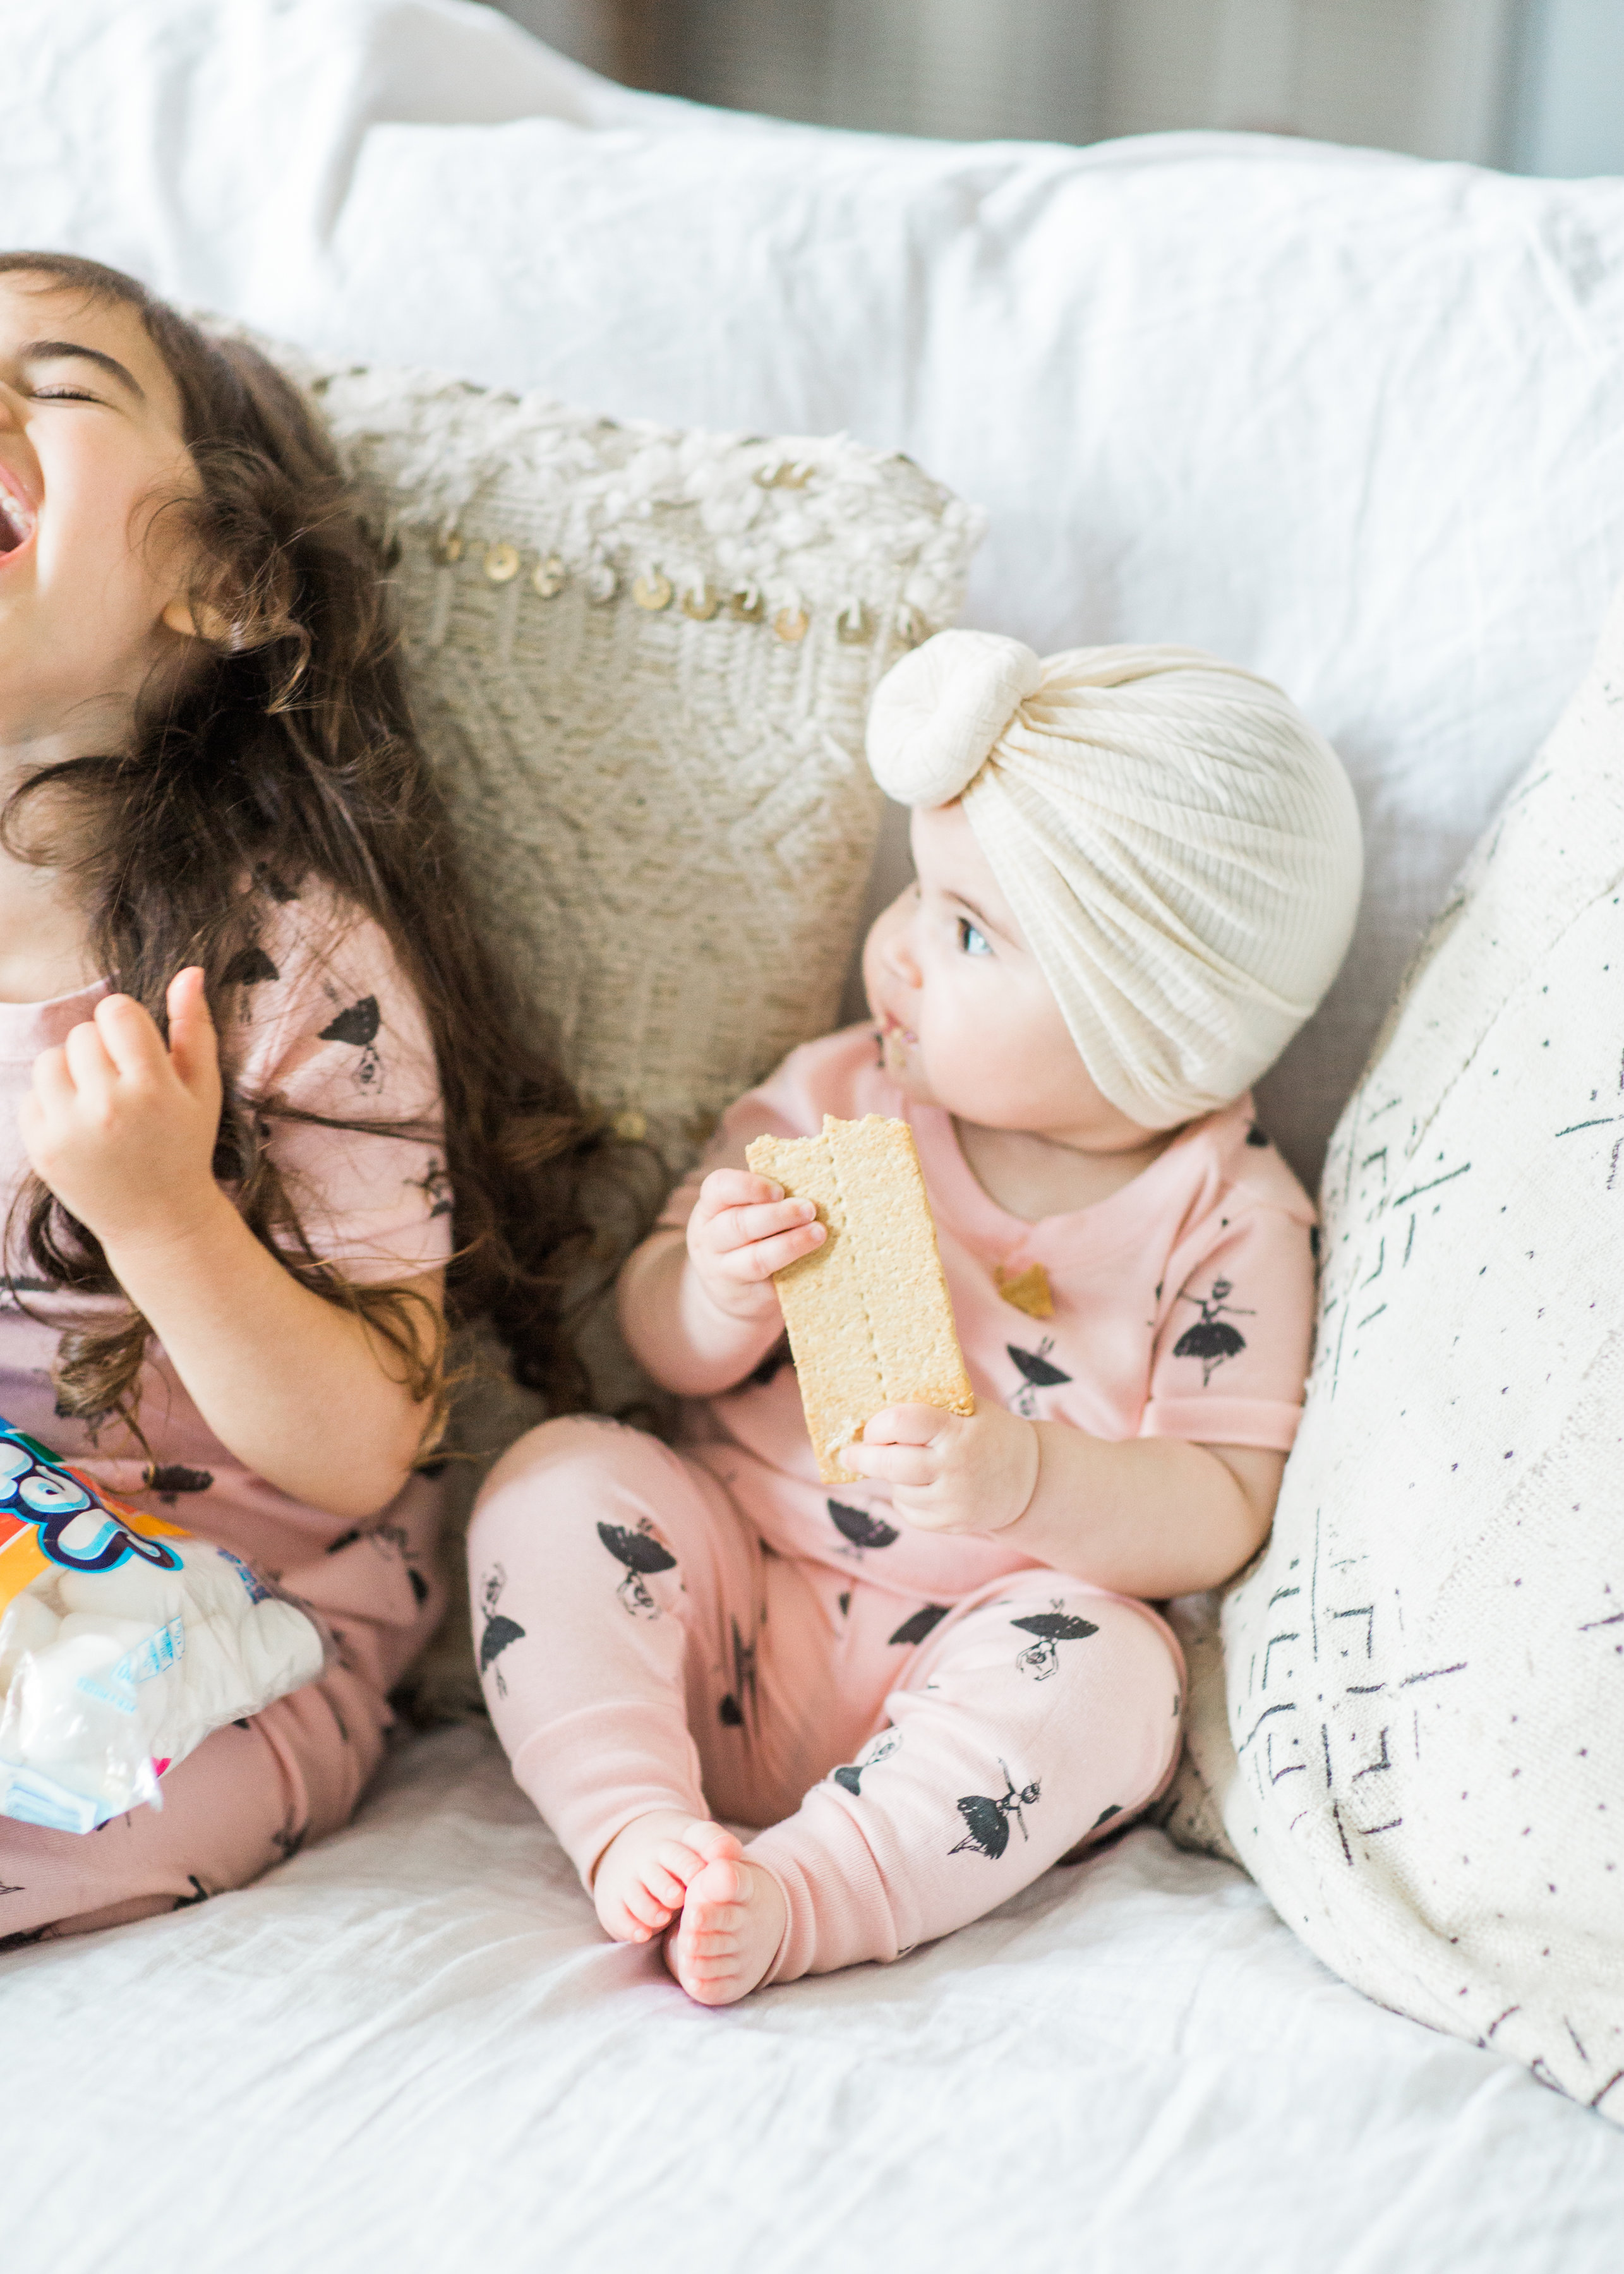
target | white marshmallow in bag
x=107, y=1677
x=134, y=1591
x=27, y=1625
x=283, y=1647
x=125, y=1634
x=71, y=1716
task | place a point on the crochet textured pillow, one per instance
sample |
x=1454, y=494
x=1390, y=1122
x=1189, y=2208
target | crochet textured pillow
x=642, y=660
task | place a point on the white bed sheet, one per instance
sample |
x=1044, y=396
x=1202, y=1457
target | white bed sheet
x=409, y=2052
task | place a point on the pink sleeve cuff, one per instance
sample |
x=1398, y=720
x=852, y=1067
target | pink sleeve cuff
x=1261, y=1421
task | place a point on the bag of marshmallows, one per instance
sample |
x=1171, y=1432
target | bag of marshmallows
x=124, y=1643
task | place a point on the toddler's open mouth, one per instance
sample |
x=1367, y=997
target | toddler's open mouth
x=16, y=518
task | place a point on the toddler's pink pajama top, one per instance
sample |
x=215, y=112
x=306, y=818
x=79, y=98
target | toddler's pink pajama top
x=321, y=1020
x=882, y=1696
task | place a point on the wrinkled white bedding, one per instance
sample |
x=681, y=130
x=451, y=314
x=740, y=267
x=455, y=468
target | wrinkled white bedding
x=1353, y=420
x=410, y=2051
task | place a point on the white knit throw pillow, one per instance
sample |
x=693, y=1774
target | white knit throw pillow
x=642, y=662
x=1422, y=1760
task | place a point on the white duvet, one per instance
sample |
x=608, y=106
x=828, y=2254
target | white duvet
x=1352, y=420
x=409, y=2052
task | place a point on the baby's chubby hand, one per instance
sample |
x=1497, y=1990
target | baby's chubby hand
x=950, y=1471
x=123, y=1130
x=742, y=1230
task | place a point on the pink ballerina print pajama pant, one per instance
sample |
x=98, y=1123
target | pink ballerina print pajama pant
x=259, y=1790
x=915, y=1764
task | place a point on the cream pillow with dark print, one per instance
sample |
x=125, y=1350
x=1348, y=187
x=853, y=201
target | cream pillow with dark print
x=1422, y=1759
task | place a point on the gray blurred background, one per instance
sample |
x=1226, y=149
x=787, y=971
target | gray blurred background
x=1533, y=85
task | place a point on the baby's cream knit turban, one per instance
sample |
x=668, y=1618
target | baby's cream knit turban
x=1180, y=847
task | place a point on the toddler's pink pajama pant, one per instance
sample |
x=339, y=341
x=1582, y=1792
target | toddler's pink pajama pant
x=916, y=1763
x=257, y=1791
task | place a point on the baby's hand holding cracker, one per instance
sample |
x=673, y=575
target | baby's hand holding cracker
x=950, y=1471
x=742, y=1230
x=870, y=1318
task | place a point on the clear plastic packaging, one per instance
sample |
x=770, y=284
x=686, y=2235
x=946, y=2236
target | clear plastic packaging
x=124, y=1643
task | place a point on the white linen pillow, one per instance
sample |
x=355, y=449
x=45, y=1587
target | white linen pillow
x=1422, y=1760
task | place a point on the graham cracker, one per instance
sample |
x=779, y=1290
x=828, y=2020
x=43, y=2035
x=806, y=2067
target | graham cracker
x=870, y=1318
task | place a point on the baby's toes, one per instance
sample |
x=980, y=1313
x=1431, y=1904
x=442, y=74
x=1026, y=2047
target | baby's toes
x=667, y=1872
x=720, y=1890
x=645, y=1913
x=717, y=1941
x=713, y=1843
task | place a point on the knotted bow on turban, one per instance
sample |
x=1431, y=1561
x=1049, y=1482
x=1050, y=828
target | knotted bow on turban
x=1179, y=846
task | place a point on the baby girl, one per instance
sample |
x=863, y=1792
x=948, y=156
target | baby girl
x=1138, y=869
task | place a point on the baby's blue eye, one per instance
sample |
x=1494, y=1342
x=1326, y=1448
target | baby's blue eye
x=972, y=942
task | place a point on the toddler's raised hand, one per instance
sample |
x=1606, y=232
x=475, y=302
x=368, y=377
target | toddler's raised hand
x=742, y=1230
x=123, y=1130
x=950, y=1471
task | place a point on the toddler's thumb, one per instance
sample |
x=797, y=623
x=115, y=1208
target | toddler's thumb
x=194, y=1050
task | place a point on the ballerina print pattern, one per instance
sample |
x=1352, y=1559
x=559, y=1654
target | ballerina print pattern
x=1027, y=1710
x=370, y=1205
x=1180, y=1306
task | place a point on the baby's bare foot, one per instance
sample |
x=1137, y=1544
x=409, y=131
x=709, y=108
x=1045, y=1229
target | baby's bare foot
x=728, y=1935
x=646, y=1870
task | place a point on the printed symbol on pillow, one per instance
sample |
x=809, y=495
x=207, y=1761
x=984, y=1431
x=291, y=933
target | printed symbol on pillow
x=642, y=1553
x=358, y=1026
x=498, y=1630
x=1051, y=1628
x=1212, y=1338
x=1037, y=1372
x=859, y=1529
x=988, y=1820
x=200, y=1894
x=731, y=1713
x=849, y=1777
